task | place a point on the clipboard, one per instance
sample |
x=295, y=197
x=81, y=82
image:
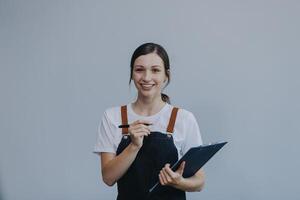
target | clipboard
x=194, y=159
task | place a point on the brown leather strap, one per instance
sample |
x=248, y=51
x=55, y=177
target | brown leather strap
x=124, y=119
x=171, y=124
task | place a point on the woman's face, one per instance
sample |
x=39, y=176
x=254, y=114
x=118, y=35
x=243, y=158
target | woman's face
x=149, y=75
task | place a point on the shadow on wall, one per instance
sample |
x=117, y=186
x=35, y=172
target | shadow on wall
x=1, y=193
x=1, y=189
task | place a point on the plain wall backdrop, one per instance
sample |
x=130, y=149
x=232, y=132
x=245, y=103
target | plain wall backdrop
x=234, y=64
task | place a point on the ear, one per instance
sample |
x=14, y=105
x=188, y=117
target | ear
x=168, y=72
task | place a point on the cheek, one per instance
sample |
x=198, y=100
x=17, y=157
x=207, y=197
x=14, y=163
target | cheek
x=135, y=77
x=160, y=80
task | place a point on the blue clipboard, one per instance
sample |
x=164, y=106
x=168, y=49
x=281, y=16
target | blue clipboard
x=194, y=159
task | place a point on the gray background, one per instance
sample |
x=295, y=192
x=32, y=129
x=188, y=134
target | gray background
x=234, y=64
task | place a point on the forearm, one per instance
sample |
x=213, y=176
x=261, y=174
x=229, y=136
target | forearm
x=116, y=168
x=191, y=184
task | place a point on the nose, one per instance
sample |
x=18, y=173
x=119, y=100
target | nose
x=147, y=75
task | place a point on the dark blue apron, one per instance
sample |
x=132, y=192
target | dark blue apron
x=157, y=150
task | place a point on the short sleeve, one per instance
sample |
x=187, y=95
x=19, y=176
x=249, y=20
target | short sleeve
x=105, y=137
x=193, y=136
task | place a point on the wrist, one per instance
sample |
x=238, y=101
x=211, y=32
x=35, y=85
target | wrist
x=179, y=183
x=187, y=184
x=134, y=147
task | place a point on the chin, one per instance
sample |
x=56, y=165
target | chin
x=148, y=93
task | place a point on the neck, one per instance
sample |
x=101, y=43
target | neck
x=148, y=106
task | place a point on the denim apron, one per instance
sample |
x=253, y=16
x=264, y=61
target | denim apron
x=157, y=150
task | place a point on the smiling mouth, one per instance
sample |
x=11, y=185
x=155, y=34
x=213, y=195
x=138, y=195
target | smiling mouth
x=147, y=86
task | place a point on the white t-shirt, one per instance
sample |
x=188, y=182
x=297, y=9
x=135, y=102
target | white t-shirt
x=186, y=130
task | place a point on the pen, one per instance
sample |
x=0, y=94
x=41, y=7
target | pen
x=127, y=125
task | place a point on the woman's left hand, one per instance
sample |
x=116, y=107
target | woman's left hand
x=168, y=177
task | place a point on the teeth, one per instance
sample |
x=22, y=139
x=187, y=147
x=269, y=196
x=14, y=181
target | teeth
x=147, y=85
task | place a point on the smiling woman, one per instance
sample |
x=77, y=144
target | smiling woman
x=149, y=75
x=150, y=60
x=160, y=134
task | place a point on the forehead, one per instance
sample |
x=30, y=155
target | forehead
x=148, y=60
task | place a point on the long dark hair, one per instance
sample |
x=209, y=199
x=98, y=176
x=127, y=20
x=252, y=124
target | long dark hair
x=147, y=48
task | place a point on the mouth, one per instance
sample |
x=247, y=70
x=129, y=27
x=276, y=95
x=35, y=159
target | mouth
x=147, y=86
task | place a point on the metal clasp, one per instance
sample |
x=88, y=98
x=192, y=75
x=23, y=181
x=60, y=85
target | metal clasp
x=125, y=136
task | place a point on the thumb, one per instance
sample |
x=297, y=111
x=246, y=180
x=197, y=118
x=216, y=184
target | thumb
x=181, y=168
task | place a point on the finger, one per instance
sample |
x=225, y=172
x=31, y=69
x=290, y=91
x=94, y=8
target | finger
x=140, y=134
x=166, y=175
x=146, y=127
x=136, y=134
x=181, y=168
x=134, y=126
x=169, y=171
x=146, y=131
x=161, y=180
x=142, y=121
x=139, y=126
x=139, y=129
x=134, y=123
x=143, y=129
x=163, y=177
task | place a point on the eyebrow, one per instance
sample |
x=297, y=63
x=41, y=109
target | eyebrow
x=157, y=66
x=151, y=66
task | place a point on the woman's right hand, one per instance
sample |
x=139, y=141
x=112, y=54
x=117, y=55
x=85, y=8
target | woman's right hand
x=137, y=130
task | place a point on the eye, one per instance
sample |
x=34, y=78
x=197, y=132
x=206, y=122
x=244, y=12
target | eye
x=156, y=70
x=139, y=69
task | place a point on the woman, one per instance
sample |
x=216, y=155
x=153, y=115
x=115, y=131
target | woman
x=138, y=156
